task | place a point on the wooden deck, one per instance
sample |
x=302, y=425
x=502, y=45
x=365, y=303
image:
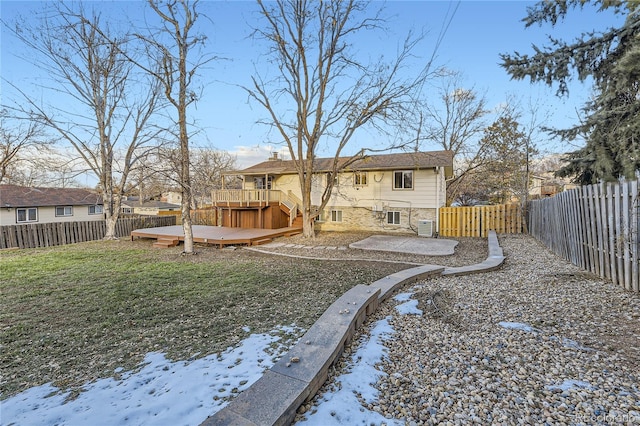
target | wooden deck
x=168, y=236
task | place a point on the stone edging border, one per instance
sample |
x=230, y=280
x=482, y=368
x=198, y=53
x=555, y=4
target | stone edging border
x=298, y=375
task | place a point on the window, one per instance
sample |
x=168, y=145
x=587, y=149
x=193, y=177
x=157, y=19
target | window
x=393, y=218
x=27, y=215
x=336, y=215
x=403, y=179
x=95, y=209
x=127, y=210
x=336, y=179
x=321, y=216
x=64, y=211
x=359, y=178
x=260, y=182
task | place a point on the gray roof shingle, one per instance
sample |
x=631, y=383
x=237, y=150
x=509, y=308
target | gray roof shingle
x=412, y=160
x=24, y=196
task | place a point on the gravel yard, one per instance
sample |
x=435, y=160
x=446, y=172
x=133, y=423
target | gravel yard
x=537, y=342
x=334, y=246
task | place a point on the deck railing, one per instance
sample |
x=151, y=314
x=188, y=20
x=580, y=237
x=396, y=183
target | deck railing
x=246, y=196
x=294, y=198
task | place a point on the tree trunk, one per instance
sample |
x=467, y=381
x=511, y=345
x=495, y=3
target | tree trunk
x=185, y=181
x=110, y=233
x=187, y=228
x=111, y=215
x=111, y=207
x=308, y=219
x=308, y=224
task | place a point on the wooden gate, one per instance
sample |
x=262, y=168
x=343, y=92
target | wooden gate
x=477, y=221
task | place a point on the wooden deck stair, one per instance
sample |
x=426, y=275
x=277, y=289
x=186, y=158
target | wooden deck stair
x=261, y=241
x=166, y=242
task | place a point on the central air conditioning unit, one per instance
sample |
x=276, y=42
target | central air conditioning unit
x=425, y=228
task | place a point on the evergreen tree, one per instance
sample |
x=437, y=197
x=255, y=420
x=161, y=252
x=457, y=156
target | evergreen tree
x=611, y=124
x=504, y=173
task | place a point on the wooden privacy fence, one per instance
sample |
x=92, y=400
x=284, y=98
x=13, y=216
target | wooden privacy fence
x=594, y=227
x=207, y=217
x=477, y=221
x=203, y=216
x=54, y=234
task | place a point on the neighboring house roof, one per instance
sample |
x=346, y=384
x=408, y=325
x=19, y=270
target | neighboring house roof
x=412, y=160
x=24, y=196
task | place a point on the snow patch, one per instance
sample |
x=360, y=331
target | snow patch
x=518, y=326
x=342, y=407
x=160, y=392
x=410, y=307
x=571, y=385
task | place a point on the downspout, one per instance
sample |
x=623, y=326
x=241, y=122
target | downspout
x=266, y=189
x=437, y=200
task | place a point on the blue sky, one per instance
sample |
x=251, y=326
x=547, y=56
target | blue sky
x=477, y=34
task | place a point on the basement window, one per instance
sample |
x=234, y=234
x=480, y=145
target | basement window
x=393, y=218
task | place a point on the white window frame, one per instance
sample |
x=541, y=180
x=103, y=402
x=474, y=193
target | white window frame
x=403, y=187
x=27, y=214
x=259, y=182
x=358, y=179
x=336, y=180
x=127, y=210
x=336, y=215
x=66, y=211
x=97, y=209
x=393, y=218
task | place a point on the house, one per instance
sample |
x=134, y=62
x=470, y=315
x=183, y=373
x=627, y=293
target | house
x=393, y=193
x=23, y=205
x=133, y=205
x=547, y=185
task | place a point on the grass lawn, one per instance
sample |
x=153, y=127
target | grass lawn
x=75, y=313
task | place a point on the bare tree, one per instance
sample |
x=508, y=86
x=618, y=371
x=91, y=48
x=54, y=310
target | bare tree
x=161, y=172
x=324, y=92
x=455, y=123
x=154, y=174
x=18, y=137
x=107, y=117
x=176, y=73
x=207, y=166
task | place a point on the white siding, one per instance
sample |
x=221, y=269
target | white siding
x=48, y=215
x=366, y=205
x=379, y=191
x=7, y=217
x=428, y=190
x=80, y=214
